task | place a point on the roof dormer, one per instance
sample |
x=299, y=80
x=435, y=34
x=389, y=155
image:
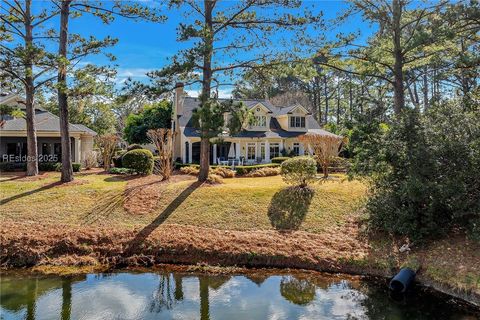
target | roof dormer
x=261, y=118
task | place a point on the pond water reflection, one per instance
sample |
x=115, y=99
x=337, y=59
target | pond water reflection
x=167, y=295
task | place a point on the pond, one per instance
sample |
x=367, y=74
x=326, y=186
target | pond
x=180, y=295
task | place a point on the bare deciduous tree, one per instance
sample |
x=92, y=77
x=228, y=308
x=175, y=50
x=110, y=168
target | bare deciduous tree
x=325, y=148
x=107, y=145
x=163, y=140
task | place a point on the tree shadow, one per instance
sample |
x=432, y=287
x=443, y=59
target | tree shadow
x=28, y=193
x=288, y=207
x=163, y=216
x=104, y=207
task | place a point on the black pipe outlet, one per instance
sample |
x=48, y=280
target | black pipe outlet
x=403, y=279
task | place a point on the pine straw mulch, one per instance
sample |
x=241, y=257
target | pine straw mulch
x=25, y=244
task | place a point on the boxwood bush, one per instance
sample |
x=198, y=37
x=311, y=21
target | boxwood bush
x=120, y=171
x=299, y=171
x=139, y=160
x=58, y=167
x=279, y=159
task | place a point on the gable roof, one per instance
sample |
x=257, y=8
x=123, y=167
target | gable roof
x=44, y=121
x=276, y=131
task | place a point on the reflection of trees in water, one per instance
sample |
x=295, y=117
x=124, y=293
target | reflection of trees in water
x=297, y=291
x=163, y=298
x=66, y=298
x=19, y=293
x=206, y=282
x=257, y=278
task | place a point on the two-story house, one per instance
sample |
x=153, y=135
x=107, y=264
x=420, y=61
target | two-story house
x=275, y=128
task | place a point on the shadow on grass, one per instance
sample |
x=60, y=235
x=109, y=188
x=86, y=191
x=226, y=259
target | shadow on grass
x=146, y=231
x=28, y=193
x=289, y=207
x=104, y=207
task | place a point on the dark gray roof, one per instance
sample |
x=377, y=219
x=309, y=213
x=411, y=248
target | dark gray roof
x=191, y=103
x=44, y=122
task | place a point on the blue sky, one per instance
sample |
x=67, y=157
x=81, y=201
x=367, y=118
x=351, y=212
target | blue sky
x=146, y=46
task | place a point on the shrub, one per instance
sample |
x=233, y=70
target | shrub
x=223, y=172
x=134, y=147
x=117, y=160
x=299, y=171
x=264, y=172
x=139, y=160
x=12, y=166
x=120, y=171
x=242, y=170
x=214, y=179
x=191, y=170
x=432, y=173
x=279, y=159
x=48, y=166
x=91, y=160
x=75, y=167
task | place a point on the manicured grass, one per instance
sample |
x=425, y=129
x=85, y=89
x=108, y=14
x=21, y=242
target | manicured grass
x=238, y=204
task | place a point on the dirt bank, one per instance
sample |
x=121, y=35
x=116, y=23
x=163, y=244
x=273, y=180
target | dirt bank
x=27, y=245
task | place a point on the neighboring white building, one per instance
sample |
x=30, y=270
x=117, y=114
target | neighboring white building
x=13, y=135
x=276, y=128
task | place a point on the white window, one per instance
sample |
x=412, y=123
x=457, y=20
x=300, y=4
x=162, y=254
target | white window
x=262, y=151
x=296, y=148
x=274, y=150
x=251, y=151
x=260, y=121
x=297, y=122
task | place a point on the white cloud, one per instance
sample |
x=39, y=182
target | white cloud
x=222, y=93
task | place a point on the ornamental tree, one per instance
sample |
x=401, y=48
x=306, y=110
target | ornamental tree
x=325, y=148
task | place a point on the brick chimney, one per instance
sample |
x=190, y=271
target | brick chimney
x=179, y=97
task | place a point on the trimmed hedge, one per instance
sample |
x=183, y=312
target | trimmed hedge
x=120, y=171
x=279, y=159
x=13, y=166
x=139, y=160
x=58, y=167
x=42, y=166
x=241, y=170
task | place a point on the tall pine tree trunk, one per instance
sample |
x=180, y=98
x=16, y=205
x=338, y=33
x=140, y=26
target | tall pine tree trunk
x=67, y=171
x=325, y=91
x=206, y=88
x=398, y=85
x=32, y=151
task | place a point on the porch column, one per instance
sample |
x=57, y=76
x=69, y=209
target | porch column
x=190, y=155
x=267, y=151
x=78, y=148
x=302, y=149
x=281, y=147
x=237, y=150
x=214, y=154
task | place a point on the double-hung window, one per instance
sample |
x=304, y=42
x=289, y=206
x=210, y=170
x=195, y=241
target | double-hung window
x=297, y=122
x=251, y=151
x=260, y=121
x=274, y=150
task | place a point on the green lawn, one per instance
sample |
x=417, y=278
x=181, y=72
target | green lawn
x=237, y=204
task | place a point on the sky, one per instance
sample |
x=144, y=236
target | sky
x=146, y=46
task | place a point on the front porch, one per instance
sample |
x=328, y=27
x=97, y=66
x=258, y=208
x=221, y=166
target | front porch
x=241, y=151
